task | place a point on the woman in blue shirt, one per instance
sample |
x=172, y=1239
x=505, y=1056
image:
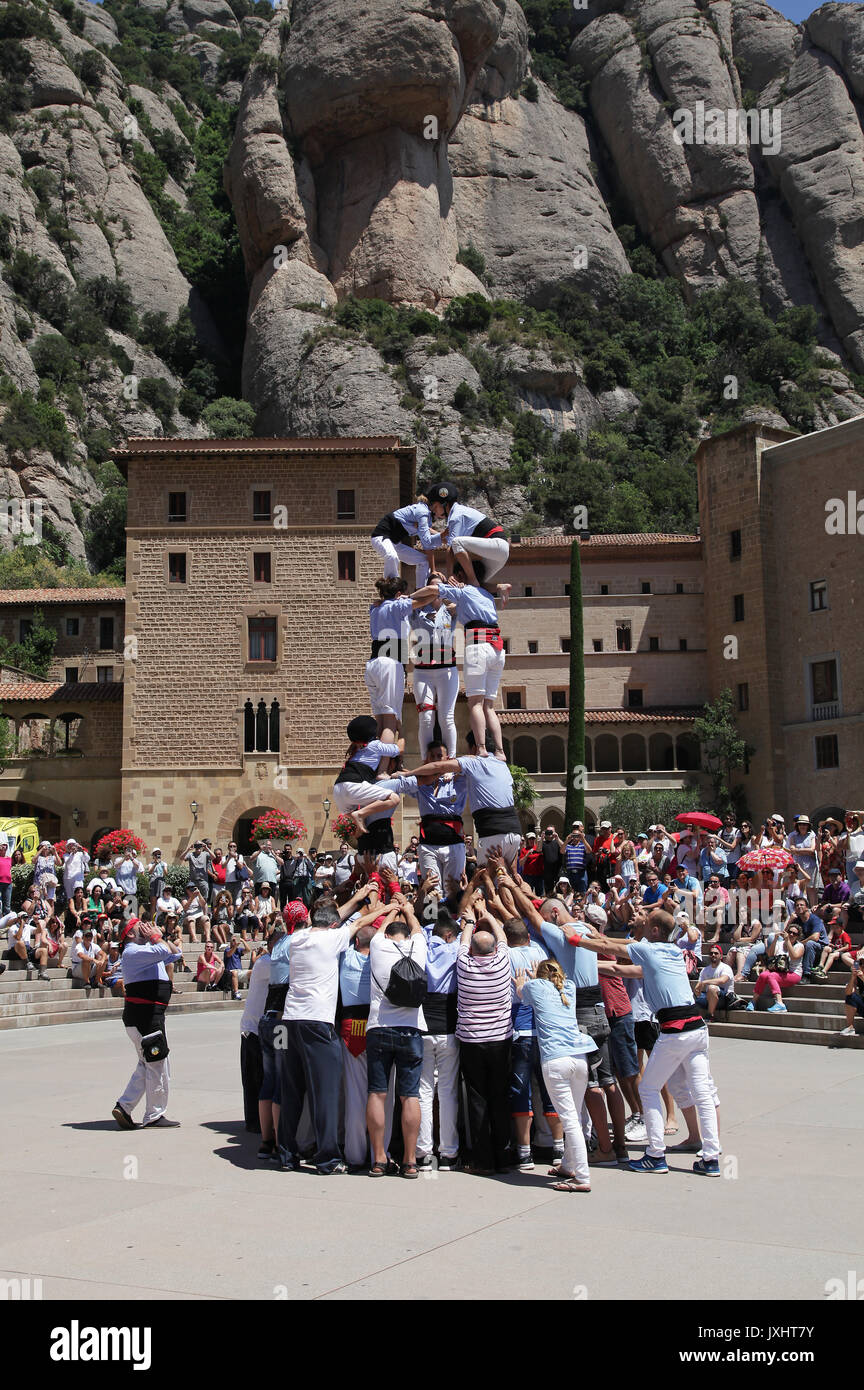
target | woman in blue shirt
x=564, y=1059
x=394, y=536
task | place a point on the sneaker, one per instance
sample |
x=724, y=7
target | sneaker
x=708, y=1167
x=647, y=1164
x=424, y=1161
x=847, y=1032
x=236, y=994
x=636, y=1134
x=447, y=1163
x=635, y=1122
x=526, y=1165
x=43, y=975
x=123, y=1118
x=778, y=1009
x=751, y=1007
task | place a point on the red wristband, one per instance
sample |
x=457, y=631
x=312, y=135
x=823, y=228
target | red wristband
x=574, y=939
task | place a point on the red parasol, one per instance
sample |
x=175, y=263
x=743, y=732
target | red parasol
x=760, y=859
x=703, y=819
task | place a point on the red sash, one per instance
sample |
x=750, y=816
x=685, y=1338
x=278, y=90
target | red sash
x=353, y=1031
x=492, y=635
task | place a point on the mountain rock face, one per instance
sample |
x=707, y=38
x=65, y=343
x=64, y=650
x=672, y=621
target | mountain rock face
x=404, y=152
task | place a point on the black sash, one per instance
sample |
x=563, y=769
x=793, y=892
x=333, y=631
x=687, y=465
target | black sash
x=441, y=830
x=497, y=820
x=396, y=650
x=588, y=995
x=276, y=998
x=394, y=530
x=357, y=772
x=378, y=838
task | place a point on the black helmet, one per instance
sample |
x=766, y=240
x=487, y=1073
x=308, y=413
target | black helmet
x=445, y=493
x=362, y=729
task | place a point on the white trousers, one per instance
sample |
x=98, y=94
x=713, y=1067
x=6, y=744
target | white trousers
x=385, y=681
x=441, y=1069
x=355, y=1091
x=681, y=1060
x=149, y=1079
x=494, y=551
x=395, y=552
x=436, y=690
x=508, y=844
x=566, y=1081
x=447, y=861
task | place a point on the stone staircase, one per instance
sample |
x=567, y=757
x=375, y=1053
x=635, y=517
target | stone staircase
x=33, y=1003
x=815, y=1016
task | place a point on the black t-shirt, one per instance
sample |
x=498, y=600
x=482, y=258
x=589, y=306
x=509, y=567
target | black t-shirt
x=551, y=855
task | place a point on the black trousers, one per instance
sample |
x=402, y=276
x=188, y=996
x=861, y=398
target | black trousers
x=310, y=1062
x=251, y=1075
x=486, y=1074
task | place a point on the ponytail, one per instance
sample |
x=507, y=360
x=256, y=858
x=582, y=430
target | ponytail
x=551, y=970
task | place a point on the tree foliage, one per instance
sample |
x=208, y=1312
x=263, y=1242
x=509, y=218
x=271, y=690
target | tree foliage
x=723, y=748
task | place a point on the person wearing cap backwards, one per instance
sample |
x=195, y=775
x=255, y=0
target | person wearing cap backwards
x=801, y=844
x=147, y=991
x=355, y=790
x=470, y=533
x=395, y=535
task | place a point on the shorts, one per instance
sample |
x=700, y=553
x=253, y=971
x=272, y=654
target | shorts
x=593, y=1021
x=622, y=1046
x=525, y=1064
x=855, y=1001
x=385, y=681
x=508, y=844
x=399, y=1047
x=350, y=796
x=646, y=1032
x=600, y=1071
x=482, y=669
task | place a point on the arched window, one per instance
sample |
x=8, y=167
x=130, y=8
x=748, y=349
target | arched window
x=633, y=757
x=687, y=752
x=553, y=757
x=274, y=727
x=67, y=733
x=525, y=753
x=249, y=727
x=262, y=728
x=34, y=735
x=661, y=753
x=606, y=753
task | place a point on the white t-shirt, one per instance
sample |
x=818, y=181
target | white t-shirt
x=168, y=903
x=688, y=855
x=74, y=869
x=12, y=933
x=384, y=952
x=81, y=952
x=259, y=983
x=314, y=986
x=722, y=974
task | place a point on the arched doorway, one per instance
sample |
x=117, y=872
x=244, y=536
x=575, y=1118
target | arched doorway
x=242, y=832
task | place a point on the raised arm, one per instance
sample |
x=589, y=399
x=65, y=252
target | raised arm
x=436, y=769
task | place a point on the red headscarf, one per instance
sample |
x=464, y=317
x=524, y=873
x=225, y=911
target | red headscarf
x=295, y=914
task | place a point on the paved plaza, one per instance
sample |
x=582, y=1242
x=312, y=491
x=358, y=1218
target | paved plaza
x=95, y=1212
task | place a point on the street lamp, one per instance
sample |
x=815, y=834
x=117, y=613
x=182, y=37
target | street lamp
x=76, y=815
x=326, y=805
x=193, y=807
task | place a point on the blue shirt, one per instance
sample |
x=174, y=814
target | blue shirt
x=664, y=974
x=389, y=621
x=521, y=957
x=372, y=753
x=687, y=884
x=462, y=520
x=147, y=962
x=440, y=962
x=653, y=895
x=558, y=1032
x=473, y=605
x=446, y=797
x=354, y=981
x=578, y=965
x=490, y=785
x=279, y=960
x=416, y=519
x=575, y=856
x=709, y=865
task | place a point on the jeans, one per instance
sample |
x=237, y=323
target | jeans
x=310, y=1064
x=578, y=880
x=401, y=1048
x=486, y=1068
x=757, y=950
x=6, y=896
x=812, y=953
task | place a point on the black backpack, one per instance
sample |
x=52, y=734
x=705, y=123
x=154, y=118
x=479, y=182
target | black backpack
x=407, y=987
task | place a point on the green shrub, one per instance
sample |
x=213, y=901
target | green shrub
x=91, y=68
x=530, y=90
x=469, y=256
x=34, y=422
x=469, y=312
x=22, y=879
x=229, y=419
x=156, y=393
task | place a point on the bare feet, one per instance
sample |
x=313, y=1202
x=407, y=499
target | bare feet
x=504, y=594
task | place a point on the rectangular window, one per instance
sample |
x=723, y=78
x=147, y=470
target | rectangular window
x=737, y=608
x=623, y=635
x=823, y=676
x=743, y=697
x=679, y=588
x=512, y=699
x=529, y=590
x=566, y=590
x=604, y=588
x=557, y=699
x=533, y=648
x=106, y=634
x=105, y=675
x=597, y=643
x=25, y=627
x=565, y=644
x=646, y=586
x=262, y=639
x=682, y=644
x=177, y=567
x=262, y=566
x=818, y=595
x=177, y=506
x=734, y=545
x=73, y=627
x=261, y=505
x=505, y=642
x=653, y=644
x=71, y=675
x=827, y=751
x=634, y=699
x=346, y=504
x=347, y=565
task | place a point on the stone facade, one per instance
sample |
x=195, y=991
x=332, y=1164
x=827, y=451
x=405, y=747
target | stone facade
x=89, y=625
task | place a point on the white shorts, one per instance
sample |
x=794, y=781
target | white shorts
x=353, y=796
x=447, y=861
x=482, y=669
x=494, y=551
x=509, y=846
x=385, y=681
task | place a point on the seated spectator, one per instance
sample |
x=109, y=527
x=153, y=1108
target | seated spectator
x=266, y=907
x=233, y=975
x=74, y=912
x=87, y=960
x=771, y=983
x=854, y=1000
x=194, y=913
x=746, y=939
x=55, y=942
x=813, y=934
x=96, y=896
x=836, y=890
x=22, y=935
x=209, y=970
x=715, y=982
x=246, y=920
x=715, y=909
x=112, y=976
x=839, y=948
x=855, y=903
x=167, y=903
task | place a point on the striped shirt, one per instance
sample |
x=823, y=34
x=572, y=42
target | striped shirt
x=484, y=996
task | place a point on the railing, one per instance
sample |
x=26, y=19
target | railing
x=827, y=709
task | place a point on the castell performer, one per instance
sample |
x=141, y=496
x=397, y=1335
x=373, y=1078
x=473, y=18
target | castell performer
x=490, y=795
x=143, y=957
x=356, y=790
x=483, y=662
x=469, y=534
x=389, y=619
x=394, y=535
x=435, y=674
x=441, y=800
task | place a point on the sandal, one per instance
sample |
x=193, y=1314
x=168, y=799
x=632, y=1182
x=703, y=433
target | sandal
x=670, y=1129
x=571, y=1185
x=378, y=1170
x=409, y=1170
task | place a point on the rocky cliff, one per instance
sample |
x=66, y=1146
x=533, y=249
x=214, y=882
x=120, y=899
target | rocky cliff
x=537, y=280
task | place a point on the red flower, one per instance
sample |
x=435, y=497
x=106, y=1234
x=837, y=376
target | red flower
x=117, y=842
x=278, y=825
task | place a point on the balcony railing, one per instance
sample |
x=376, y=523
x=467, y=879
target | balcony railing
x=827, y=709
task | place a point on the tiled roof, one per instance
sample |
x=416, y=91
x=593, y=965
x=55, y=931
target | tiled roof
x=139, y=444
x=31, y=596
x=669, y=714
x=59, y=691
x=625, y=538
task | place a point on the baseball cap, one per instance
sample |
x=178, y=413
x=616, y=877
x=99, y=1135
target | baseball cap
x=579, y=823
x=605, y=825
x=562, y=879
x=595, y=915
x=529, y=835
x=833, y=871
x=641, y=835
x=859, y=864
x=70, y=841
x=777, y=817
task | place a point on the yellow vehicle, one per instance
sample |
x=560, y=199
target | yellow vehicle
x=21, y=834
